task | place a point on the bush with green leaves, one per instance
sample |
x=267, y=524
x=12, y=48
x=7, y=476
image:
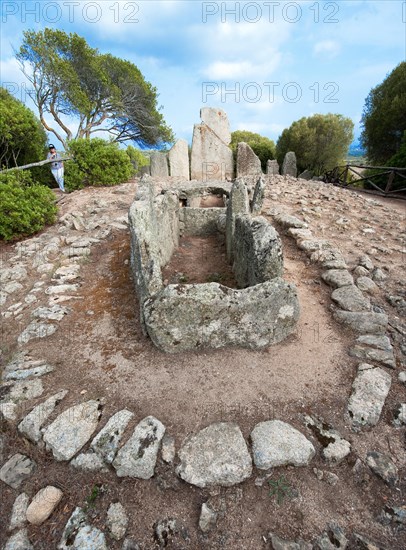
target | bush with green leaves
x=25, y=206
x=320, y=142
x=96, y=162
x=397, y=161
x=384, y=118
x=22, y=138
x=138, y=160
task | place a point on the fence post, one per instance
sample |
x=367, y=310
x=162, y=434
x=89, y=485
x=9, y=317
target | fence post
x=345, y=174
x=390, y=181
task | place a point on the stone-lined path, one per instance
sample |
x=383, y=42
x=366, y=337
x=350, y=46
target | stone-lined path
x=218, y=455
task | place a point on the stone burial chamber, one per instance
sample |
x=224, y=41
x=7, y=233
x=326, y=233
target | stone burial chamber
x=262, y=311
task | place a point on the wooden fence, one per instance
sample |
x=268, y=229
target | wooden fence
x=40, y=163
x=341, y=176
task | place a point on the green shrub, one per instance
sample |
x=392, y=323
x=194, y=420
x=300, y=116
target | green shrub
x=96, y=162
x=17, y=177
x=137, y=158
x=398, y=161
x=25, y=208
x=22, y=137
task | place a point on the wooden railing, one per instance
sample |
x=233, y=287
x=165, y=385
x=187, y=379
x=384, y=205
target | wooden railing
x=341, y=176
x=40, y=163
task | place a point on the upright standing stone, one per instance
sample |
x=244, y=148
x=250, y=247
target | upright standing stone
x=248, y=164
x=217, y=120
x=212, y=159
x=238, y=203
x=258, y=198
x=178, y=158
x=272, y=167
x=289, y=167
x=159, y=164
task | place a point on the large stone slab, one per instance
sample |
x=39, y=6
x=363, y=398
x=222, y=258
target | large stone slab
x=154, y=228
x=16, y=470
x=369, y=391
x=18, y=514
x=137, y=458
x=276, y=443
x=78, y=535
x=238, y=204
x=248, y=164
x=31, y=424
x=217, y=121
x=217, y=455
x=337, y=278
x=21, y=390
x=211, y=158
x=330, y=258
x=106, y=442
x=335, y=447
x=117, y=520
x=350, y=298
x=159, y=165
x=383, y=467
x=72, y=429
x=363, y=322
x=289, y=167
x=19, y=541
x=257, y=253
x=200, y=222
x=286, y=220
x=36, y=329
x=178, y=158
x=375, y=348
x=183, y=317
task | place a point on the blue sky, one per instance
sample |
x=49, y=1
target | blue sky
x=266, y=64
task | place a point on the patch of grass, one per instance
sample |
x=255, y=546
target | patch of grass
x=91, y=499
x=280, y=489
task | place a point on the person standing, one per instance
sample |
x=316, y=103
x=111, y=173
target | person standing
x=56, y=167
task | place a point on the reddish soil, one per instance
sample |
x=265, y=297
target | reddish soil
x=100, y=351
x=200, y=260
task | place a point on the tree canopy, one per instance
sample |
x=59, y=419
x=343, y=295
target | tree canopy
x=384, y=117
x=320, y=141
x=102, y=92
x=22, y=138
x=262, y=146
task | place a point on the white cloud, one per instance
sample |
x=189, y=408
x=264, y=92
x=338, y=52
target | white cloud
x=227, y=70
x=11, y=74
x=327, y=48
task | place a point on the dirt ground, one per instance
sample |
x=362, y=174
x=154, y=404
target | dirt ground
x=100, y=351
